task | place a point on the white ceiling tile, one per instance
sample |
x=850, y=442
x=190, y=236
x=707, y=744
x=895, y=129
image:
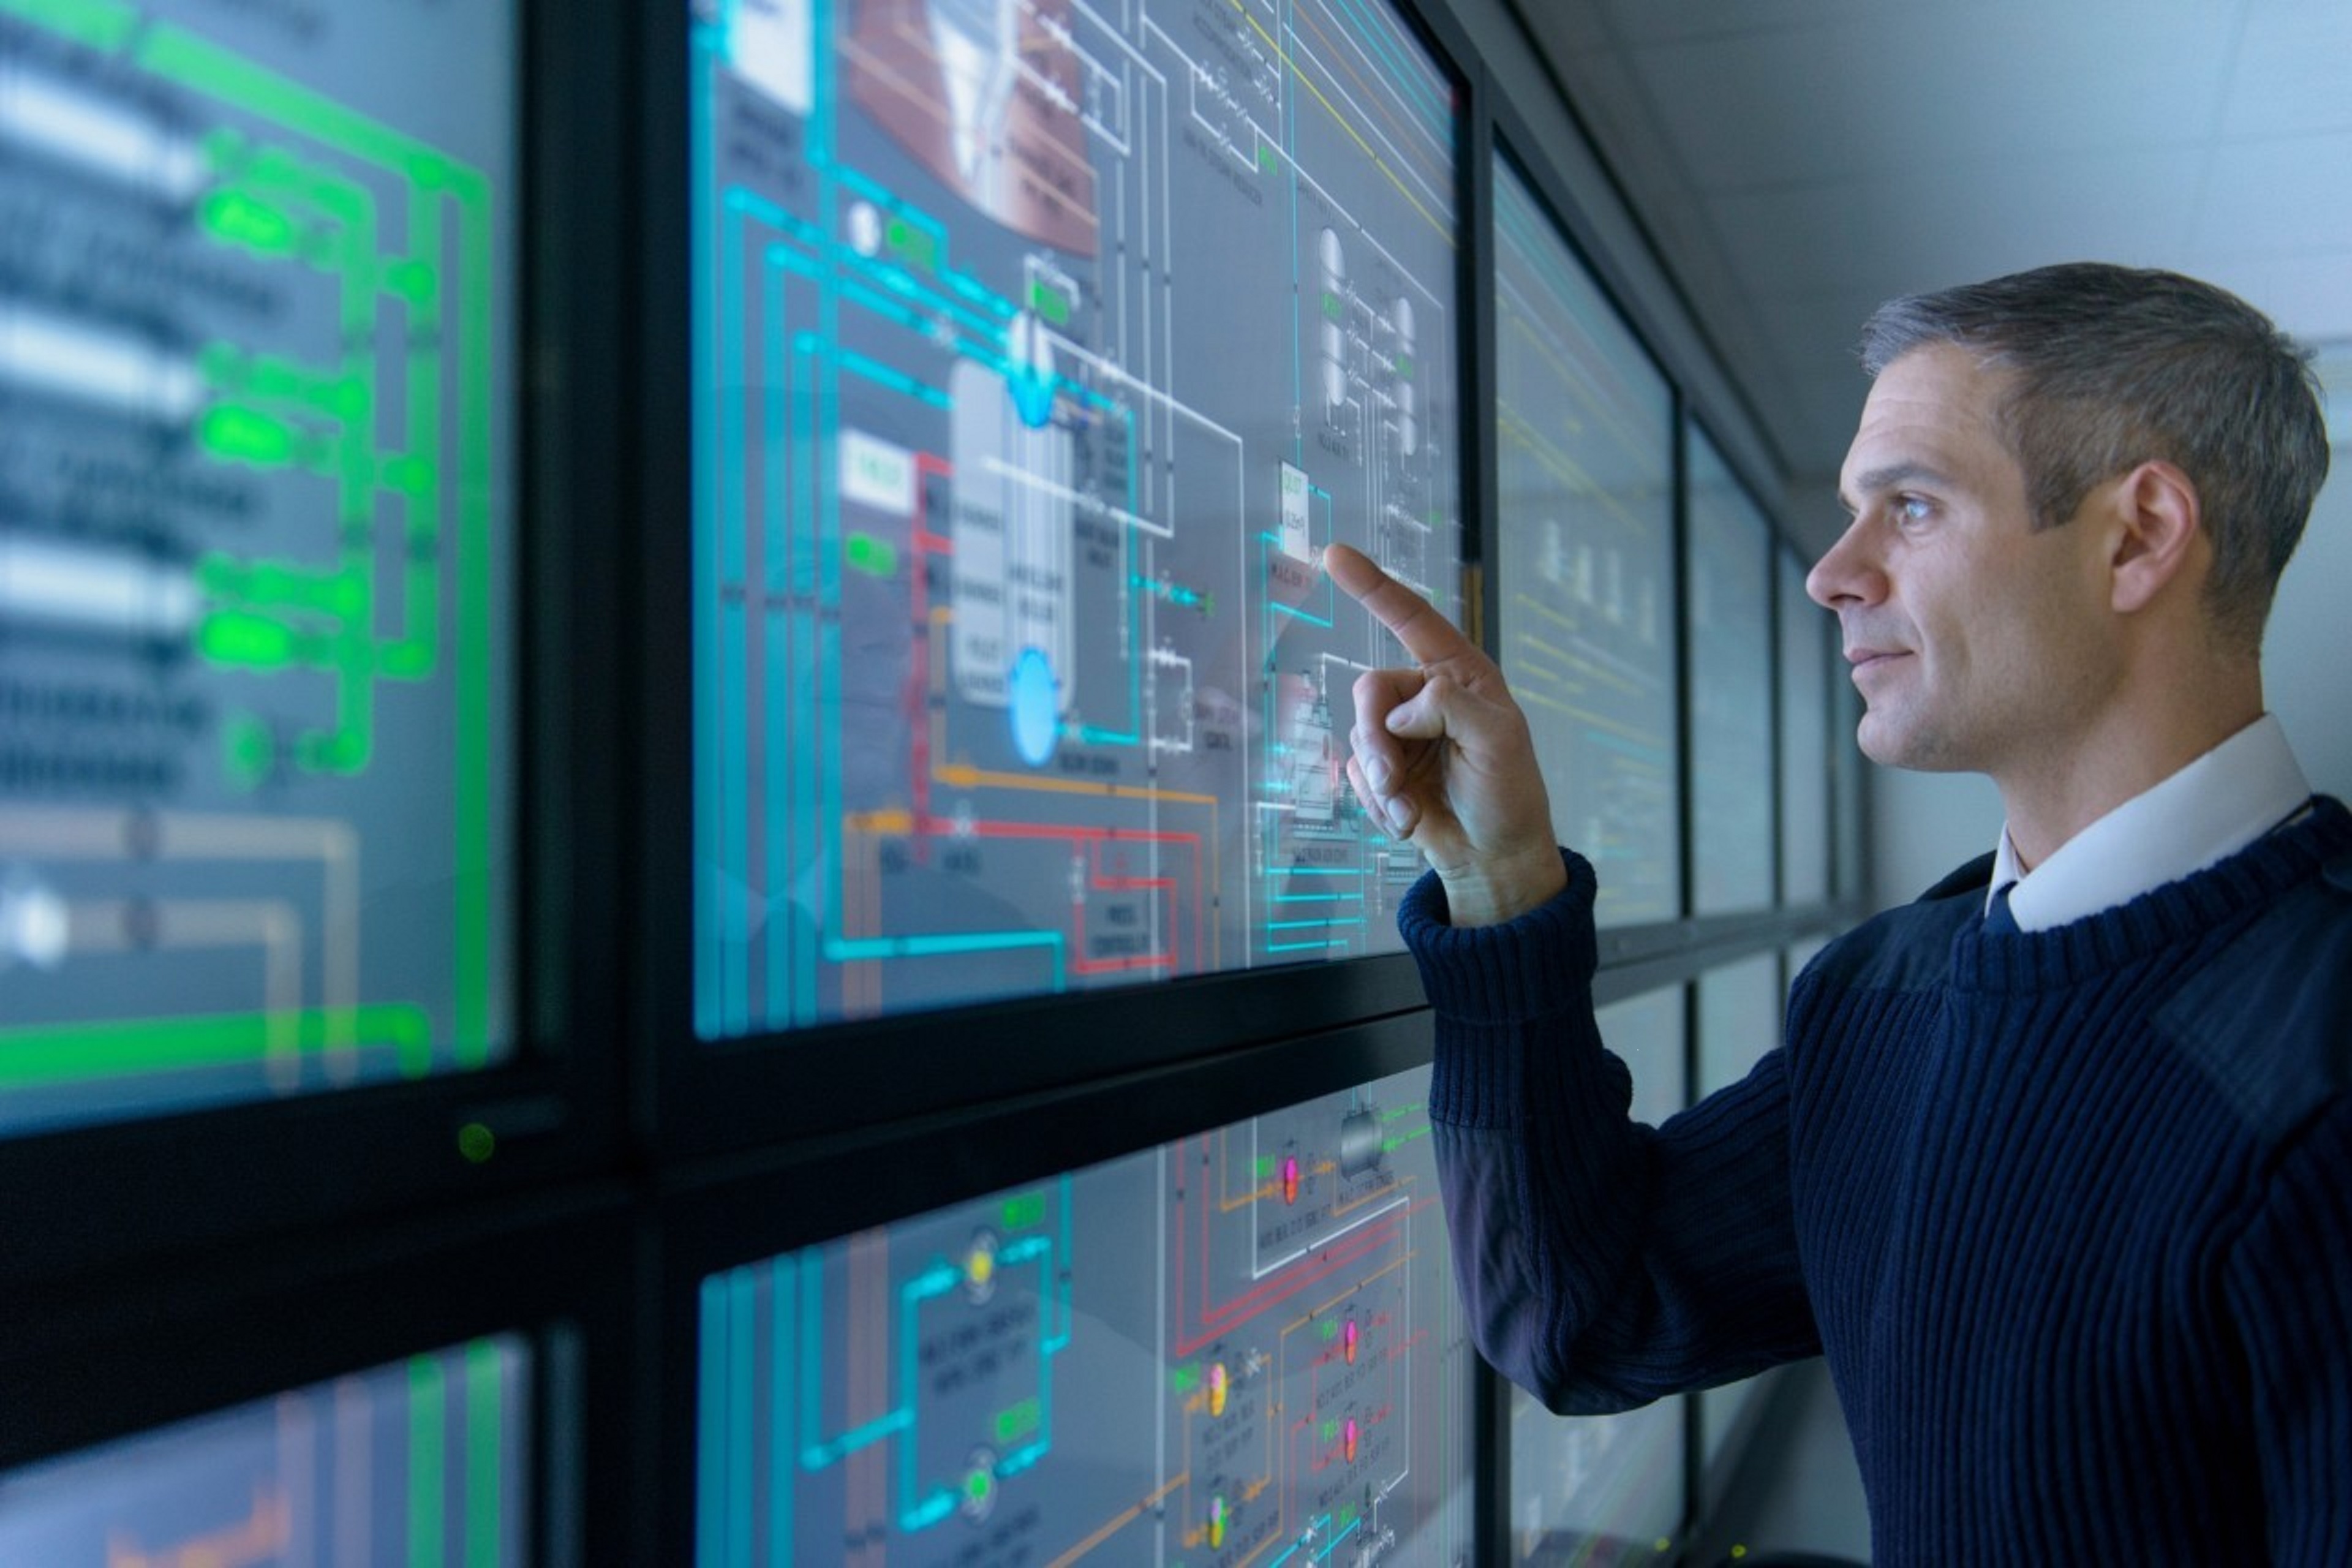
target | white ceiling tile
x=1566, y=32
x=1921, y=88
x=2308, y=295
x=2278, y=196
x=1678, y=21
x=1962, y=222
x=2294, y=71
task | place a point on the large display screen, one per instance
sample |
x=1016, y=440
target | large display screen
x=1739, y=1012
x=1728, y=593
x=1039, y=351
x=256, y=431
x=1609, y=1489
x=1240, y=1347
x=1585, y=575
x=423, y=1461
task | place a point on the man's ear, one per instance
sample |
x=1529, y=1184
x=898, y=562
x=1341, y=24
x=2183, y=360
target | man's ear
x=2157, y=519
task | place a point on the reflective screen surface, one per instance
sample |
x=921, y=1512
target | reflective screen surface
x=254, y=533
x=1040, y=352
x=1243, y=1347
x=1607, y=1489
x=423, y=1461
x=1585, y=575
x=1729, y=591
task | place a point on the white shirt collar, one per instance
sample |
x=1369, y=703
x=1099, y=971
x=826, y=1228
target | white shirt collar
x=2207, y=812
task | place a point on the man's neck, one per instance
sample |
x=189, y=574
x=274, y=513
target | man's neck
x=2052, y=797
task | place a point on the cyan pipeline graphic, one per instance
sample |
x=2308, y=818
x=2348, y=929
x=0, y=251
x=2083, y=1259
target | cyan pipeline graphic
x=1238, y=1349
x=1055, y=465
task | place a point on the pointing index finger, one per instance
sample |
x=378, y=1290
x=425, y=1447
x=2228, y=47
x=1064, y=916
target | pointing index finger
x=1429, y=636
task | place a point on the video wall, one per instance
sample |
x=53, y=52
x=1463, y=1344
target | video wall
x=424, y=1461
x=257, y=297
x=1029, y=357
x=1040, y=352
x=1584, y=574
x=1239, y=1347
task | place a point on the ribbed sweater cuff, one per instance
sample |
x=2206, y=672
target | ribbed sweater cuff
x=1489, y=984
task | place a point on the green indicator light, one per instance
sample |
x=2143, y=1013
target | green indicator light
x=875, y=557
x=1186, y=1379
x=1024, y=1210
x=243, y=220
x=1330, y=1327
x=1332, y=308
x=333, y=754
x=232, y=637
x=1264, y=158
x=1264, y=1167
x=977, y=1486
x=412, y=280
x=1016, y=1421
x=477, y=1143
x=246, y=436
x=1331, y=1430
x=1405, y=364
x=916, y=245
x=1051, y=303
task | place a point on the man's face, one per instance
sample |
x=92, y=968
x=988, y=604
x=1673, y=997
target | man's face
x=1976, y=642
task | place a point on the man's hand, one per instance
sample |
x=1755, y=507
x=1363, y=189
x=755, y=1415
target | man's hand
x=1442, y=755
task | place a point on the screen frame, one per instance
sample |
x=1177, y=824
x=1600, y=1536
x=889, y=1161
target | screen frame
x=175, y=1184
x=1692, y=430
x=710, y=1096
x=92, y=1365
x=1634, y=939
x=741, y=1211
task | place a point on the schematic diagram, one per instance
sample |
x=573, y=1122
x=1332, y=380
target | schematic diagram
x=253, y=523
x=1042, y=346
x=1238, y=1351
x=421, y=1461
x=1587, y=610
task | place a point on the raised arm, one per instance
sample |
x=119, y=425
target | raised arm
x=1441, y=753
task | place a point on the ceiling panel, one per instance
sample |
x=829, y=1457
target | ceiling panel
x=1799, y=160
x=2273, y=198
x=1959, y=221
x=2290, y=71
x=1952, y=84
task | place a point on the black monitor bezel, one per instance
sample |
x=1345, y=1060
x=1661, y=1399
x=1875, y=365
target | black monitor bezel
x=708, y=1097
x=114, y=1359
x=746, y=1209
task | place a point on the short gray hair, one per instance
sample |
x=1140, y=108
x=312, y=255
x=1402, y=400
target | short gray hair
x=2112, y=366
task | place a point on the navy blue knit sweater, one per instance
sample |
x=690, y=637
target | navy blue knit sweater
x=2070, y=1212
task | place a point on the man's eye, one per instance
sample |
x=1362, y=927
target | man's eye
x=1912, y=509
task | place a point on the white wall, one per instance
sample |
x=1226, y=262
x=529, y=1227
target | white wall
x=2308, y=656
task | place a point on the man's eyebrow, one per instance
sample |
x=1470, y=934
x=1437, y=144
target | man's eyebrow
x=1879, y=481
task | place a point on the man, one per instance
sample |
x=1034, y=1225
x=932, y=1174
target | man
x=2057, y=1173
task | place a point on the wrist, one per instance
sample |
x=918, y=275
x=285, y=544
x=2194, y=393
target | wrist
x=1493, y=892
